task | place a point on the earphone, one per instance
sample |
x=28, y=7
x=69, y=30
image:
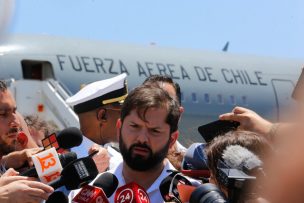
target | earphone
x=103, y=116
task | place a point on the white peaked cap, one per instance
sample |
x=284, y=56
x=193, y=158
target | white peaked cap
x=99, y=93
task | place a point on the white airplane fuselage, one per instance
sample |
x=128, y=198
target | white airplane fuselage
x=211, y=83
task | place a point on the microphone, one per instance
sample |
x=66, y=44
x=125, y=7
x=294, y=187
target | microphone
x=131, y=193
x=69, y=137
x=65, y=159
x=238, y=157
x=195, y=162
x=66, y=139
x=22, y=139
x=168, y=187
x=76, y=174
x=47, y=165
x=103, y=188
x=57, y=197
x=108, y=182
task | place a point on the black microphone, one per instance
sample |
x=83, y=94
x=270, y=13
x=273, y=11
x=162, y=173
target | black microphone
x=168, y=186
x=76, y=174
x=57, y=197
x=108, y=182
x=65, y=159
x=69, y=137
x=65, y=139
x=103, y=188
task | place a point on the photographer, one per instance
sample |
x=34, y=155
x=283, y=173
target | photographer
x=256, y=144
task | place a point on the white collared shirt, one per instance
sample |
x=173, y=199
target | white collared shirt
x=153, y=190
x=115, y=156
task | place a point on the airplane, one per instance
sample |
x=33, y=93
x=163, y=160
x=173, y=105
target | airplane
x=212, y=83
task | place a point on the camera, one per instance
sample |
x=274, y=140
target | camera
x=238, y=185
x=207, y=193
x=236, y=181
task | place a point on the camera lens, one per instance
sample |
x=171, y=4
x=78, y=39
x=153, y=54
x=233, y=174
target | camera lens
x=207, y=193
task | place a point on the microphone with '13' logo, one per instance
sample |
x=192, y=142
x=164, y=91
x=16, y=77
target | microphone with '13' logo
x=47, y=165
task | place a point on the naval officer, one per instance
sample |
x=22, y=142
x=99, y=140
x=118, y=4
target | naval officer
x=98, y=106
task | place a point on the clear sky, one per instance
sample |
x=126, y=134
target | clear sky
x=259, y=27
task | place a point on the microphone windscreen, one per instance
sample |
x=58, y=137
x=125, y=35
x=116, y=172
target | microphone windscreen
x=57, y=197
x=79, y=172
x=107, y=182
x=69, y=137
x=236, y=156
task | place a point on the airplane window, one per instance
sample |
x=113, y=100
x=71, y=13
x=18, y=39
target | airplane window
x=220, y=99
x=207, y=98
x=182, y=97
x=232, y=100
x=194, y=98
x=244, y=100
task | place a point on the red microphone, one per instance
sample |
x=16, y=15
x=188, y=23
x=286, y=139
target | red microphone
x=90, y=194
x=103, y=188
x=131, y=193
x=22, y=139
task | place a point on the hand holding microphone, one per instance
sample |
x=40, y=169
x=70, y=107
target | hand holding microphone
x=76, y=174
x=19, y=159
x=65, y=159
x=67, y=138
x=101, y=157
x=21, y=191
x=14, y=188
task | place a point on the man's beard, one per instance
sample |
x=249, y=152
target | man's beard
x=10, y=145
x=138, y=162
x=6, y=148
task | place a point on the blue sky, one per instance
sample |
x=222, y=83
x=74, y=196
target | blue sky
x=259, y=27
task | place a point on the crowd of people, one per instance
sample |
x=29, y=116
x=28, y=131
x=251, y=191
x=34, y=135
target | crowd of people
x=134, y=136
